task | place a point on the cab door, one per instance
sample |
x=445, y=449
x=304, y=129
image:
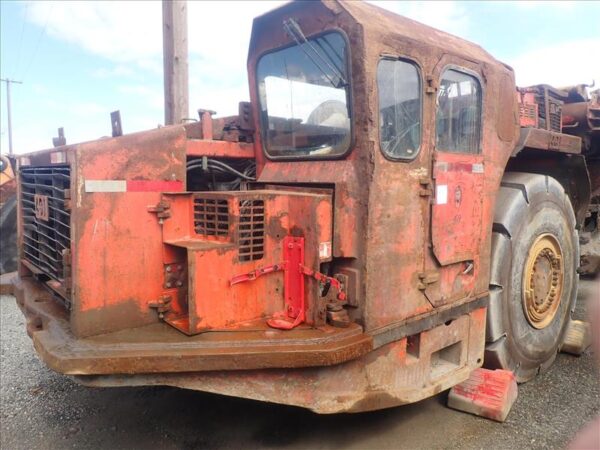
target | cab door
x=458, y=179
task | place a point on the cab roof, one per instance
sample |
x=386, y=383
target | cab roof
x=381, y=25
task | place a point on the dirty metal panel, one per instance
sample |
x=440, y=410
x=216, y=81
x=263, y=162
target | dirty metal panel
x=456, y=226
x=118, y=251
x=259, y=222
x=457, y=207
x=219, y=149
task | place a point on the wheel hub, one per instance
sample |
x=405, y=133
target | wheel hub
x=543, y=281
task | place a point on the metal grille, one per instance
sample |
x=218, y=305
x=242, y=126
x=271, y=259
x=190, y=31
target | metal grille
x=555, y=115
x=251, y=230
x=549, y=110
x=45, y=193
x=528, y=114
x=211, y=216
x=594, y=117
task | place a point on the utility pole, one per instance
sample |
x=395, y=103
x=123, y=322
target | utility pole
x=175, y=60
x=8, y=81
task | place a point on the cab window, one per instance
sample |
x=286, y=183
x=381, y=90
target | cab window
x=399, y=87
x=304, y=99
x=458, y=116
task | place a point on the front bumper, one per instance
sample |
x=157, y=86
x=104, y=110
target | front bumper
x=327, y=370
x=159, y=348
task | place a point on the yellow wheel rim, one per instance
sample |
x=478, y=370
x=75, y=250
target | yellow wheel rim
x=543, y=281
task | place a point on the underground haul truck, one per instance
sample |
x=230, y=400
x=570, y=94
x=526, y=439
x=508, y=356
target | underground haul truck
x=387, y=214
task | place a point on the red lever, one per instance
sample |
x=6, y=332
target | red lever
x=293, y=286
x=322, y=278
x=293, y=272
x=251, y=276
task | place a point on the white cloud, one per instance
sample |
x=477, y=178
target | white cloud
x=131, y=31
x=122, y=31
x=449, y=16
x=129, y=34
x=567, y=63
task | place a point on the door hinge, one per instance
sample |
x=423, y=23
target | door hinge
x=432, y=86
x=426, y=187
x=162, y=210
x=426, y=278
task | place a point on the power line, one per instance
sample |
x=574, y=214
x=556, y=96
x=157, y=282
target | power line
x=37, y=46
x=21, y=39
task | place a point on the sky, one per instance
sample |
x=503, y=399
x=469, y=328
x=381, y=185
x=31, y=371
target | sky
x=78, y=61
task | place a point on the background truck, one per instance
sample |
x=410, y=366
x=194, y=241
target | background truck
x=388, y=213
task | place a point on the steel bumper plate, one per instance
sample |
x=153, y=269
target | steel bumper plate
x=159, y=348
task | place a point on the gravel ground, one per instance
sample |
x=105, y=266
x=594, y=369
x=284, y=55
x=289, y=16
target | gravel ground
x=41, y=409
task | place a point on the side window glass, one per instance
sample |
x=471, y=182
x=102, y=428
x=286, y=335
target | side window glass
x=458, y=116
x=399, y=86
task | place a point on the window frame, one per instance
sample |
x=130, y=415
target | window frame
x=478, y=78
x=415, y=64
x=349, y=101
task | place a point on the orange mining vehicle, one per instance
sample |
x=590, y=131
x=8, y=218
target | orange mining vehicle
x=388, y=213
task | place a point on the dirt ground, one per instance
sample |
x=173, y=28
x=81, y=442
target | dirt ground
x=41, y=409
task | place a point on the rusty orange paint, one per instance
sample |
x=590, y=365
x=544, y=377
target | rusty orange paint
x=212, y=302
x=215, y=149
x=407, y=257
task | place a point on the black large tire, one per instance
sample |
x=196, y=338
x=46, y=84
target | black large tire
x=529, y=207
x=8, y=236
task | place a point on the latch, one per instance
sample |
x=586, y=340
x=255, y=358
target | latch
x=294, y=273
x=427, y=278
x=162, y=305
x=469, y=266
x=162, y=210
x=328, y=282
x=432, y=85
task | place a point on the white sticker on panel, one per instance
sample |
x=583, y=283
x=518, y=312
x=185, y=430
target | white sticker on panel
x=477, y=168
x=441, y=194
x=325, y=250
x=105, y=186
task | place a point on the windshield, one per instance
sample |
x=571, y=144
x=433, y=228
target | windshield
x=304, y=98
